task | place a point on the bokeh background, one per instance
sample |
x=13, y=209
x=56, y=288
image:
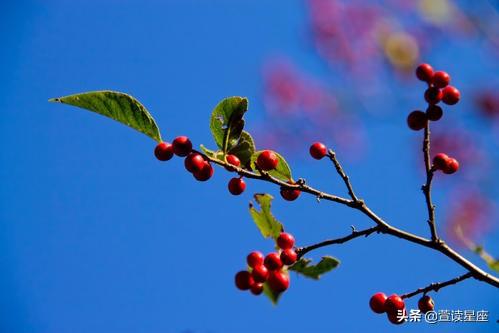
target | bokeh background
x=96, y=235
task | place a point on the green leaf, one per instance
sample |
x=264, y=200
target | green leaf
x=227, y=121
x=244, y=149
x=272, y=295
x=211, y=153
x=304, y=267
x=494, y=265
x=118, y=106
x=264, y=220
x=282, y=171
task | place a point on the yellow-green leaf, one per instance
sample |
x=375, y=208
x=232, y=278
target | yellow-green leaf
x=263, y=218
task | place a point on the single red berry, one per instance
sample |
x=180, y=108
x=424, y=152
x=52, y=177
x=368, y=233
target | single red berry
x=288, y=257
x=205, y=173
x=398, y=317
x=257, y=288
x=254, y=259
x=451, y=167
x=394, y=303
x=440, y=79
x=290, y=194
x=233, y=160
x=433, y=95
x=237, y=186
x=377, y=302
x=182, y=146
x=424, y=72
x=450, y=95
x=260, y=273
x=163, y=151
x=440, y=161
x=272, y=261
x=426, y=304
x=244, y=280
x=417, y=120
x=318, y=150
x=194, y=162
x=285, y=241
x=278, y=281
x=267, y=160
x=434, y=112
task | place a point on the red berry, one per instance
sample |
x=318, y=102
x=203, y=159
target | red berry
x=278, y=281
x=397, y=317
x=450, y=95
x=182, y=146
x=237, y=186
x=260, y=273
x=163, y=151
x=377, y=302
x=424, y=72
x=440, y=161
x=394, y=303
x=434, y=112
x=433, y=95
x=205, y=173
x=426, y=304
x=244, y=280
x=233, y=160
x=451, y=166
x=440, y=79
x=318, y=150
x=254, y=259
x=272, y=261
x=267, y=160
x=257, y=288
x=194, y=162
x=288, y=257
x=417, y=120
x=290, y=194
x=285, y=241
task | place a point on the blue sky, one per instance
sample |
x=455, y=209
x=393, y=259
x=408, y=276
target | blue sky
x=98, y=236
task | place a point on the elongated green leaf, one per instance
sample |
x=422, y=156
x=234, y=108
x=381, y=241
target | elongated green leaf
x=272, y=295
x=264, y=220
x=118, y=106
x=304, y=267
x=244, y=149
x=282, y=171
x=227, y=121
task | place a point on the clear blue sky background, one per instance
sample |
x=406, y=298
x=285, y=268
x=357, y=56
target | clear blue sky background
x=98, y=236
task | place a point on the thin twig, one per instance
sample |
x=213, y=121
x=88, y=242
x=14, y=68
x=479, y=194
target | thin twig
x=427, y=187
x=343, y=175
x=436, y=286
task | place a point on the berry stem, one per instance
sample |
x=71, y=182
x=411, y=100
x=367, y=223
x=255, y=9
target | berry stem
x=427, y=187
x=436, y=286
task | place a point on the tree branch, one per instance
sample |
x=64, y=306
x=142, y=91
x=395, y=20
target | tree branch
x=436, y=286
x=427, y=187
x=343, y=175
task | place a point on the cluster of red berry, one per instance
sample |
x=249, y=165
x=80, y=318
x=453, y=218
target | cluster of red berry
x=270, y=269
x=446, y=164
x=438, y=90
x=394, y=306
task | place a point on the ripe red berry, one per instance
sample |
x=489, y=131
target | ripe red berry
x=288, y=257
x=394, y=303
x=244, y=280
x=163, y=151
x=433, y=95
x=285, y=241
x=450, y=95
x=397, y=317
x=434, y=112
x=290, y=194
x=424, y=72
x=194, y=162
x=257, y=288
x=318, y=150
x=417, y=120
x=260, y=273
x=451, y=166
x=440, y=79
x=182, y=146
x=426, y=304
x=267, y=160
x=205, y=173
x=278, y=281
x=440, y=161
x=272, y=261
x=377, y=302
x=233, y=160
x=236, y=186
x=254, y=259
